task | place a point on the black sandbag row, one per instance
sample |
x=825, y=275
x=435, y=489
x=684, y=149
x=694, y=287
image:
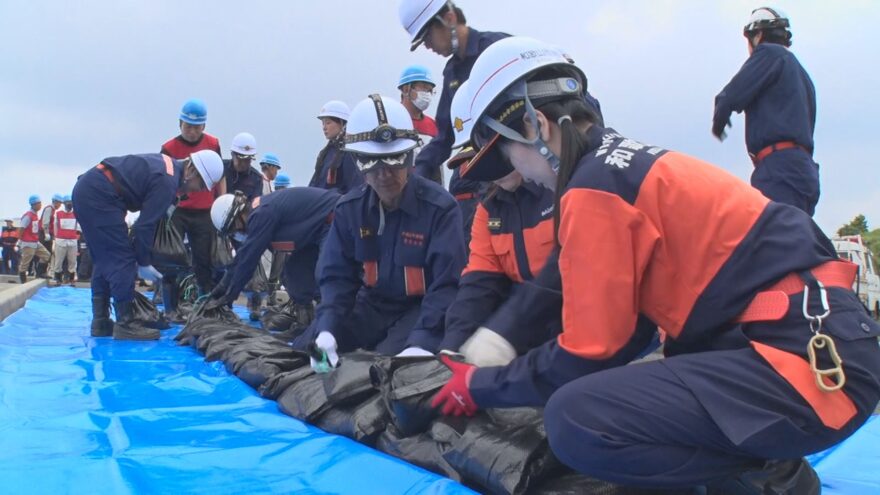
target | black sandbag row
x=385, y=402
x=147, y=313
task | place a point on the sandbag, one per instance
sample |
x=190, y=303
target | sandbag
x=258, y=282
x=221, y=252
x=147, y=314
x=276, y=385
x=578, y=484
x=205, y=320
x=256, y=372
x=214, y=344
x=362, y=422
x=278, y=318
x=169, y=251
x=350, y=382
x=304, y=399
x=421, y=450
x=408, y=384
x=503, y=458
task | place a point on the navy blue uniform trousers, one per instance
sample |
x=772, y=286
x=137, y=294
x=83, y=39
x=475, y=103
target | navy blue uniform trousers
x=298, y=275
x=375, y=325
x=693, y=418
x=789, y=176
x=101, y=214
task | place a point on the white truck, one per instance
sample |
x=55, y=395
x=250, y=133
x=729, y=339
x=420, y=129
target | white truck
x=867, y=286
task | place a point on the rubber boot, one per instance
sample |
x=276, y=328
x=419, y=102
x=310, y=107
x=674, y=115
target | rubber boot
x=42, y=270
x=128, y=328
x=789, y=477
x=102, y=325
x=58, y=280
x=23, y=277
x=303, y=314
x=170, y=294
x=71, y=279
x=255, y=301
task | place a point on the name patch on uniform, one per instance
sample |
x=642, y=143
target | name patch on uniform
x=366, y=232
x=494, y=223
x=413, y=238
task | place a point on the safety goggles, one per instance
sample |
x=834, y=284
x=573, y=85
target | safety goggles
x=369, y=163
x=242, y=157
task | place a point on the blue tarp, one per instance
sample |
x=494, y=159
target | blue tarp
x=84, y=415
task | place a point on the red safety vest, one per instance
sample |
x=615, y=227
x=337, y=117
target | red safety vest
x=32, y=232
x=179, y=149
x=65, y=225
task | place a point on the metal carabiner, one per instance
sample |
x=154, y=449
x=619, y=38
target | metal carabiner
x=816, y=320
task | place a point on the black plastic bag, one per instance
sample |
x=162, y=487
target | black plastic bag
x=361, y=422
x=221, y=252
x=408, y=385
x=276, y=385
x=578, y=484
x=259, y=282
x=503, y=458
x=256, y=372
x=304, y=399
x=147, y=314
x=421, y=450
x=350, y=382
x=169, y=251
x=204, y=320
x=278, y=318
x=215, y=343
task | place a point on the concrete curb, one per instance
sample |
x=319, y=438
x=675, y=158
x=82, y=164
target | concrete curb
x=13, y=299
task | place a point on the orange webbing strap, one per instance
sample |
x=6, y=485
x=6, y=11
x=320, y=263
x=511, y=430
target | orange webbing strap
x=371, y=273
x=772, y=304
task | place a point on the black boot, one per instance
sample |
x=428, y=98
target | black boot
x=170, y=294
x=255, y=301
x=42, y=270
x=128, y=328
x=71, y=279
x=23, y=277
x=303, y=314
x=58, y=279
x=789, y=477
x=102, y=325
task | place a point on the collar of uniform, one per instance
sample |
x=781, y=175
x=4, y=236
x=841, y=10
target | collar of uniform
x=594, y=136
x=472, y=49
x=191, y=143
x=409, y=202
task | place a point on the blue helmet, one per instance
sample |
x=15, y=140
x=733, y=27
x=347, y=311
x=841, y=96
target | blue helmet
x=415, y=73
x=194, y=112
x=270, y=159
x=57, y=197
x=67, y=198
x=281, y=181
x=34, y=199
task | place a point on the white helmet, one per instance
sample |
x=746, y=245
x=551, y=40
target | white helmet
x=225, y=209
x=244, y=144
x=766, y=18
x=460, y=115
x=415, y=15
x=498, y=90
x=380, y=126
x=335, y=108
x=209, y=165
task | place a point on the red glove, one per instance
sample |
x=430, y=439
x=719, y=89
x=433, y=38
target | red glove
x=455, y=395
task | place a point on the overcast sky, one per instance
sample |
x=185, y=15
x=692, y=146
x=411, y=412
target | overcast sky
x=83, y=80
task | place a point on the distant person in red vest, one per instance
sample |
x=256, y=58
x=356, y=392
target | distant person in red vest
x=29, y=233
x=9, y=243
x=67, y=231
x=416, y=93
x=193, y=214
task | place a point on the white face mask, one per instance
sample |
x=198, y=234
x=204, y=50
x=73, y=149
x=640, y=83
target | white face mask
x=423, y=100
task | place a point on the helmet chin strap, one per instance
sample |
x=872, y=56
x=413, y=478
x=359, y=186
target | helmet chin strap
x=537, y=143
x=454, y=40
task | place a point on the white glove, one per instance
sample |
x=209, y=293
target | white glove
x=487, y=348
x=48, y=237
x=414, y=351
x=149, y=272
x=327, y=343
